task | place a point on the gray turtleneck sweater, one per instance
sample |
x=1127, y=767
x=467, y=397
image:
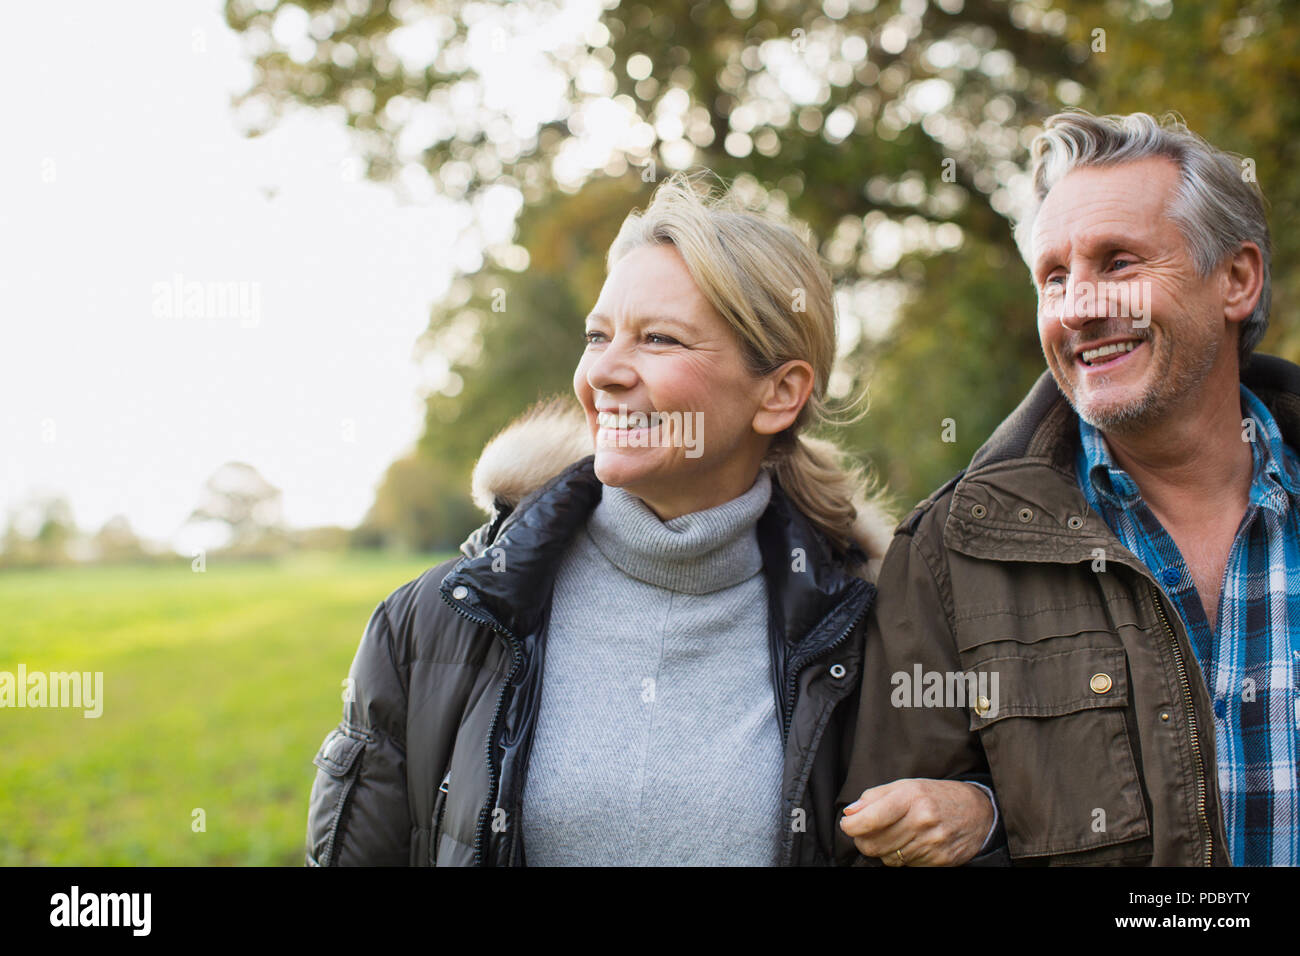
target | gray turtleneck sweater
x=658, y=740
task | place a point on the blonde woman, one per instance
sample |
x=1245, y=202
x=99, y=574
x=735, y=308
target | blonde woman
x=650, y=653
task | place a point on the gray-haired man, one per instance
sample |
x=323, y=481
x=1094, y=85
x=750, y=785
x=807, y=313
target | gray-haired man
x=1122, y=557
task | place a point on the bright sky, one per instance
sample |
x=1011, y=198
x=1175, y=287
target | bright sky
x=174, y=296
x=123, y=175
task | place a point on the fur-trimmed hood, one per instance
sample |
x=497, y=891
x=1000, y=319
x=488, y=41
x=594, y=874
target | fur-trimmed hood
x=553, y=434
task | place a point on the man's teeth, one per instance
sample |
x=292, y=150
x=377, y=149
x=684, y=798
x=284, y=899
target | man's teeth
x=630, y=420
x=1091, y=355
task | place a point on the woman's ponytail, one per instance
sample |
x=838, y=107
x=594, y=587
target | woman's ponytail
x=837, y=496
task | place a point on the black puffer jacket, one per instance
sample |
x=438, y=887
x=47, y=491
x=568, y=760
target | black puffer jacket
x=427, y=766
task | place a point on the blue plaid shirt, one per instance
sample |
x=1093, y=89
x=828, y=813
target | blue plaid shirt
x=1252, y=664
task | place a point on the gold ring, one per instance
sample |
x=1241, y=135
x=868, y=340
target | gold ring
x=901, y=861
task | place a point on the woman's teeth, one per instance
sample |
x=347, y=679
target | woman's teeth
x=629, y=420
x=1091, y=355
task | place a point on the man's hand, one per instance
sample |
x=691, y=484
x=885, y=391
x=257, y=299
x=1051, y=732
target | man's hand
x=920, y=822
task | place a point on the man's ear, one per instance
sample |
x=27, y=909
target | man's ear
x=784, y=393
x=1243, y=282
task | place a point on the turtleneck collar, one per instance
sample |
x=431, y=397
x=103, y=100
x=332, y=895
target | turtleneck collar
x=695, y=553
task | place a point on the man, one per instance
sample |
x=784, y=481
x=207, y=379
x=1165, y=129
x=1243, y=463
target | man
x=1103, y=609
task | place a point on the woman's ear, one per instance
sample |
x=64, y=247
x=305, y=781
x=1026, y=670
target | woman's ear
x=785, y=391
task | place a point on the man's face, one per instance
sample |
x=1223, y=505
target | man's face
x=1129, y=329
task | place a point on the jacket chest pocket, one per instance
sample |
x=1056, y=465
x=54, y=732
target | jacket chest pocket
x=1053, y=726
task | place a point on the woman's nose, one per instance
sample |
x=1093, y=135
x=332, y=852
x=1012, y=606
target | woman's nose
x=612, y=368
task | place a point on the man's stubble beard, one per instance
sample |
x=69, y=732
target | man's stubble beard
x=1171, y=382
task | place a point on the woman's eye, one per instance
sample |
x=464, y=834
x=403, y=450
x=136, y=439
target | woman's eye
x=592, y=336
x=662, y=339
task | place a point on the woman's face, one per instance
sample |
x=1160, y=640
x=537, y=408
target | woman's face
x=656, y=346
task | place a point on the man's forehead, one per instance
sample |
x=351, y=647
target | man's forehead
x=1128, y=198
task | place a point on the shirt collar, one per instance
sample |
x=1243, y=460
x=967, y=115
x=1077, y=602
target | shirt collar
x=1276, y=466
x=1108, y=480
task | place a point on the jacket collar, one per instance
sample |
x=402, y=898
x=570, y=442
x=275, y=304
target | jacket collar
x=510, y=564
x=1019, y=499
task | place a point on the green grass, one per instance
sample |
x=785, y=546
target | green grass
x=218, y=689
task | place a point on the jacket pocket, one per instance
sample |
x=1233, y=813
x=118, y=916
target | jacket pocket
x=1054, y=730
x=338, y=762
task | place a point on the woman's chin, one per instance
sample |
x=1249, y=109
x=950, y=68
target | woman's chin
x=626, y=467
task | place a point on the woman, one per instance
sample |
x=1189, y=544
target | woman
x=650, y=653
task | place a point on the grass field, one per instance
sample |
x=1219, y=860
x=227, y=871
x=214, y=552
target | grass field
x=218, y=689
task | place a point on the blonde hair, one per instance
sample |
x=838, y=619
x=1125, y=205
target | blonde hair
x=770, y=286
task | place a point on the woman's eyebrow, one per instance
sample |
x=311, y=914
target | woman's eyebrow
x=644, y=320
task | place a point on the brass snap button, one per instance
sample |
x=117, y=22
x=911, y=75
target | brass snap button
x=979, y=511
x=460, y=593
x=982, y=705
x=1100, y=683
x=1026, y=515
x=1074, y=523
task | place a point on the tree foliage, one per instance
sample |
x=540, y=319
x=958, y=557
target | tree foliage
x=897, y=130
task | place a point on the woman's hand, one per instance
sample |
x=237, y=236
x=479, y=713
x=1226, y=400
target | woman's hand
x=920, y=822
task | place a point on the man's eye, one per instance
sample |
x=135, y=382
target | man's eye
x=1121, y=263
x=593, y=336
x=1055, y=280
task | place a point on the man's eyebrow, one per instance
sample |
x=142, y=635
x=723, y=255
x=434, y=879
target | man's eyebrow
x=1106, y=242
x=1048, y=258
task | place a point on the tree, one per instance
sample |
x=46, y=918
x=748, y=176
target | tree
x=40, y=530
x=417, y=508
x=896, y=130
x=237, y=496
x=117, y=541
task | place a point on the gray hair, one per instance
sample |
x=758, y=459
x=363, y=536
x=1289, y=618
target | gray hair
x=1215, y=207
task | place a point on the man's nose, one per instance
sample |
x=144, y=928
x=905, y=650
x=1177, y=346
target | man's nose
x=1079, y=305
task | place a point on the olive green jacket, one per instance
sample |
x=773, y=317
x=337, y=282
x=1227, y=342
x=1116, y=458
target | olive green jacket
x=1087, y=705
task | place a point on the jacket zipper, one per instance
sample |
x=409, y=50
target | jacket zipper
x=796, y=667
x=516, y=658
x=516, y=654
x=792, y=680
x=1193, y=732
x=439, y=808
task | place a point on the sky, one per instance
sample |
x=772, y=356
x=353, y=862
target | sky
x=174, y=295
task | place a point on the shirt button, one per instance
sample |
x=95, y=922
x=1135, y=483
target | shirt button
x=1170, y=576
x=1220, y=708
x=459, y=593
